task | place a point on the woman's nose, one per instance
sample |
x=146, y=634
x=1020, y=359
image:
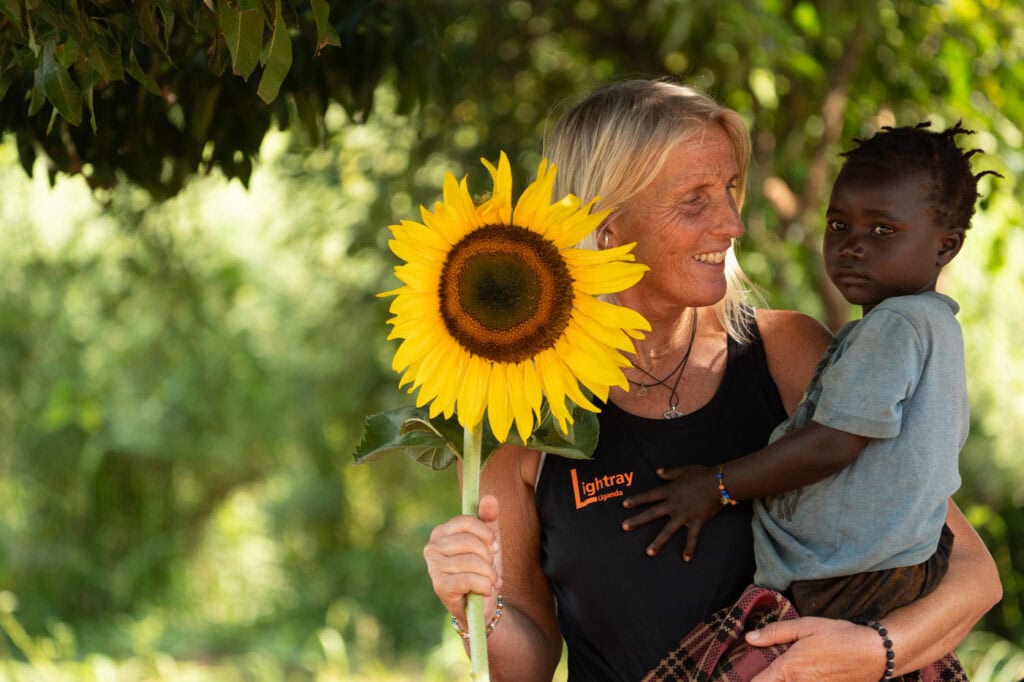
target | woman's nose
x=730, y=223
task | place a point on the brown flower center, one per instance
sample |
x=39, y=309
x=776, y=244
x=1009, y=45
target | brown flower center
x=505, y=293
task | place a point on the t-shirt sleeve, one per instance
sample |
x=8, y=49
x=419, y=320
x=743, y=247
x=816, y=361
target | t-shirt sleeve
x=863, y=391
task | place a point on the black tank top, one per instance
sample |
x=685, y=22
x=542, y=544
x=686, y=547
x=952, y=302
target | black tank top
x=619, y=610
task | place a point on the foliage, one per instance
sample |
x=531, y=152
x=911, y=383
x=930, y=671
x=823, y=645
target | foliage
x=157, y=90
x=436, y=443
x=182, y=382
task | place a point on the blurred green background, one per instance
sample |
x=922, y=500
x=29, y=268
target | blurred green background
x=186, y=357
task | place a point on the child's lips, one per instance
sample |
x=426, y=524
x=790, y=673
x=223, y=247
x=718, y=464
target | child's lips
x=850, y=277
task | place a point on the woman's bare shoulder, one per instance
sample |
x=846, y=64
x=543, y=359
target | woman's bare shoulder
x=512, y=465
x=793, y=344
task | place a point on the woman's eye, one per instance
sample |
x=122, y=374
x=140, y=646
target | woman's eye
x=882, y=230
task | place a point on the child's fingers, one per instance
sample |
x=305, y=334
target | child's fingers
x=646, y=497
x=670, y=529
x=646, y=516
x=692, y=533
x=669, y=474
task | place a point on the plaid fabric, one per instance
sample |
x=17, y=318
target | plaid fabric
x=715, y=650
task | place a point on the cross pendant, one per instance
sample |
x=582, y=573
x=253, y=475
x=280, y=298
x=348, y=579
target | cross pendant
x=673, y=413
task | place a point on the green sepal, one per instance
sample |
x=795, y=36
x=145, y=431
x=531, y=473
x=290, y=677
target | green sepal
x=437, y=442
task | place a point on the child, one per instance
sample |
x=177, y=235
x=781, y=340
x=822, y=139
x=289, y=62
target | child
x=851, y=493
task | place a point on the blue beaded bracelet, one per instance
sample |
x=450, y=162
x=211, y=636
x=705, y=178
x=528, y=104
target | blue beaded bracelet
x=723, y=494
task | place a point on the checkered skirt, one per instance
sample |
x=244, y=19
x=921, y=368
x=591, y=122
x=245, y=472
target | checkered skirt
x=715, y=650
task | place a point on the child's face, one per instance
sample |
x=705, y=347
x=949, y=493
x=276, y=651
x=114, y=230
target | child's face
x=881, y=238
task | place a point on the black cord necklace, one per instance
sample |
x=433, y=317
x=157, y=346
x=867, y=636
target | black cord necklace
x=673, y=398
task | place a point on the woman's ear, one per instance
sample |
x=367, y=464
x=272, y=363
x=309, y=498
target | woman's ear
x=951, y=243
x=603, y=237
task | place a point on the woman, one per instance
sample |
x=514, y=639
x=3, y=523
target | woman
x=708, y=384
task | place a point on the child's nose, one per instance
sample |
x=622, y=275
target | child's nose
x=852, y=247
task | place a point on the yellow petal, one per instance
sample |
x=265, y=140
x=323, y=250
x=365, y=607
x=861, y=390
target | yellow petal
x=474, y=390
x=566, y=227
x=498, y=209
x=521, y=406
x=499, y=413
x=535, y=200
x=607, y=279
x=553, y=373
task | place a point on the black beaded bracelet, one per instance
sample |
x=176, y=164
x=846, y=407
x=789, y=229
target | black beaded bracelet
x=890, y=655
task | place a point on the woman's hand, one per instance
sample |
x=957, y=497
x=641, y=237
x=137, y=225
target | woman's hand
x=821, y=649
x=689, y=499
x=463, y=556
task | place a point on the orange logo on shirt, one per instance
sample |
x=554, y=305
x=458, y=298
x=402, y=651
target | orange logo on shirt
x=589, y=492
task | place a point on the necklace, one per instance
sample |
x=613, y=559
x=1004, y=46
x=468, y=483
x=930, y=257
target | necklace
x=673, y=398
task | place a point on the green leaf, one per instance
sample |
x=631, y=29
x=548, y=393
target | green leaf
x=12, y=10
x=135, y=71
x=579, y=443
x=437, y=442
x=6, y=78
x=145, y=14
x=167, y=12
x=325, y=32
x=203, y=108
x=104, y=61
x=60, y=88
x=243, y=32
x=38, y=98
x=407, y=431
x=88, y=79
x=278, y=59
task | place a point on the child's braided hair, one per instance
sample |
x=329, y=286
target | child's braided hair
x=914, y=148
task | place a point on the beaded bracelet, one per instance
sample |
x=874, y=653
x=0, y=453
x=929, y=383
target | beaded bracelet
x=722, y=492
x=491, y=627
x=890, y=655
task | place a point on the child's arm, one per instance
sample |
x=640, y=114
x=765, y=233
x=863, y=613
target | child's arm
x=691, y=496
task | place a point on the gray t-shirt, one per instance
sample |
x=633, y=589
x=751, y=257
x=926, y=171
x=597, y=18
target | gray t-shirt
x=896, y=376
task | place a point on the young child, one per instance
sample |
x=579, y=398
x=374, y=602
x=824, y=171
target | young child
x=850, y=495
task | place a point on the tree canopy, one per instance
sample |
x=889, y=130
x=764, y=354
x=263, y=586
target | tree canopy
x=158, y=90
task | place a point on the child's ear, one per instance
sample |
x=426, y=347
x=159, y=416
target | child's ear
x=950, y=245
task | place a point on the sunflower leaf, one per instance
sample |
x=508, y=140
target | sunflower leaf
x=406, y=430
x=578, y=443
x=437, y=442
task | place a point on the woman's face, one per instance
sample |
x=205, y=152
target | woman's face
x=683, y=223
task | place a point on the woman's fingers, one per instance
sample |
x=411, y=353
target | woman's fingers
x=463, y=556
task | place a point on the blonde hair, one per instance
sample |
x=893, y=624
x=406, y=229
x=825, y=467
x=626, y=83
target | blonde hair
x=614, y=142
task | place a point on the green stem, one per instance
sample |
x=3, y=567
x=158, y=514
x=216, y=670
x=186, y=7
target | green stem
x=471, y=443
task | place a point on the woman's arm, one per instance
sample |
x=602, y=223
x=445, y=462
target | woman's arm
x=934, y=625
x=921, y=632
x=500, y=552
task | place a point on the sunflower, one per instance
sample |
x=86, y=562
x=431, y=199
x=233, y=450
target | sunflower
x=498, y=310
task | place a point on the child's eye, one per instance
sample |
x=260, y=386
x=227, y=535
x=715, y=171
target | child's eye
x=835, y=225
x=882, y=230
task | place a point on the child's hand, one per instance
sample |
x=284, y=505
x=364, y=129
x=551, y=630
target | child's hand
x=689, y=499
